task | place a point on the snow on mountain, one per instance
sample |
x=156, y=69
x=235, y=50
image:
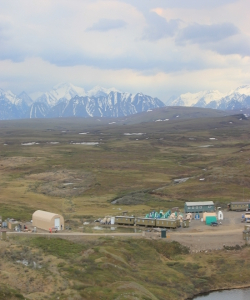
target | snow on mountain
x=202, y=98
x=114, y=104
x=66, y=100
x=67, y=91
x=25, y=98
x=37, y=110
x=243, y=90
x=8, y=95
x=8, y=110
x=236, y=99
x=98, y=91
x=62, y=91
x=238, y=95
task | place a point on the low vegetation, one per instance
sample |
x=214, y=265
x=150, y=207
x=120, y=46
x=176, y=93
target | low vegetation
x=107, y=268
x=138, y=174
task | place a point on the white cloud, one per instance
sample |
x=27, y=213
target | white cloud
x=160, y=84
x=159, y=47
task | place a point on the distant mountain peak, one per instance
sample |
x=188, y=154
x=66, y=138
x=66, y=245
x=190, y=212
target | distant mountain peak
x=25, y=98
x=99, y=91
x=235, y=99
x=9, y=96
x=62, y=85
x=243, y=90
x=68, y=100
x=61, y=91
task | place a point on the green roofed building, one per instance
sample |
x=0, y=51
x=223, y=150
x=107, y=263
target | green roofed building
x=199, y=207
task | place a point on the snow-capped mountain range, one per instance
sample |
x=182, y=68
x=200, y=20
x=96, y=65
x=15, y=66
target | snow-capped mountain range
x=235, y=99
x=66, y=100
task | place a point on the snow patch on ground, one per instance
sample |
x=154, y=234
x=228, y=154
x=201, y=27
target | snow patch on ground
x=29, y=144
x=139, y=133
x=85, y=143
x=206, y=146
x=160, y=120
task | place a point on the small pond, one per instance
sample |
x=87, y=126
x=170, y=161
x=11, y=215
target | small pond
x=237, y=294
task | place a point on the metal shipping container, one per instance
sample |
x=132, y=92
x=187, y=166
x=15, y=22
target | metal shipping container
x=124, y=220
x=167, y=223
x=148, y=222
x=238, y=206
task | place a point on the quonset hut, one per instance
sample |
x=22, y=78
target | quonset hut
x=46, y=220
x=199, y=207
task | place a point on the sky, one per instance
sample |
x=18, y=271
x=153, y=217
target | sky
x=158, y=47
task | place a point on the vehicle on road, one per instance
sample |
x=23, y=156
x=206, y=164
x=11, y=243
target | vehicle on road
x=214, y=223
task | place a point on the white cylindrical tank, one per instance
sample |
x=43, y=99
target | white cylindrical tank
x=220, y=215
x=112, y=220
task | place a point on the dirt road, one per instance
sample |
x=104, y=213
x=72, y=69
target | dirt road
x=197, y=237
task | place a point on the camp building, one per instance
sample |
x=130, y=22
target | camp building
x=199, y=207
x=46, y=220
x=239, y=206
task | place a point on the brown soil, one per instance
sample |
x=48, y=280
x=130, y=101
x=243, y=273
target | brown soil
x=200, y=237
x=13, y=162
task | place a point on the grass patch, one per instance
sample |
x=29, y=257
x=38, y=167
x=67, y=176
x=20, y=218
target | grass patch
x=18, y=212
x=108, y=268
x=9, y=293
x=169, y=250
x=60, y=248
